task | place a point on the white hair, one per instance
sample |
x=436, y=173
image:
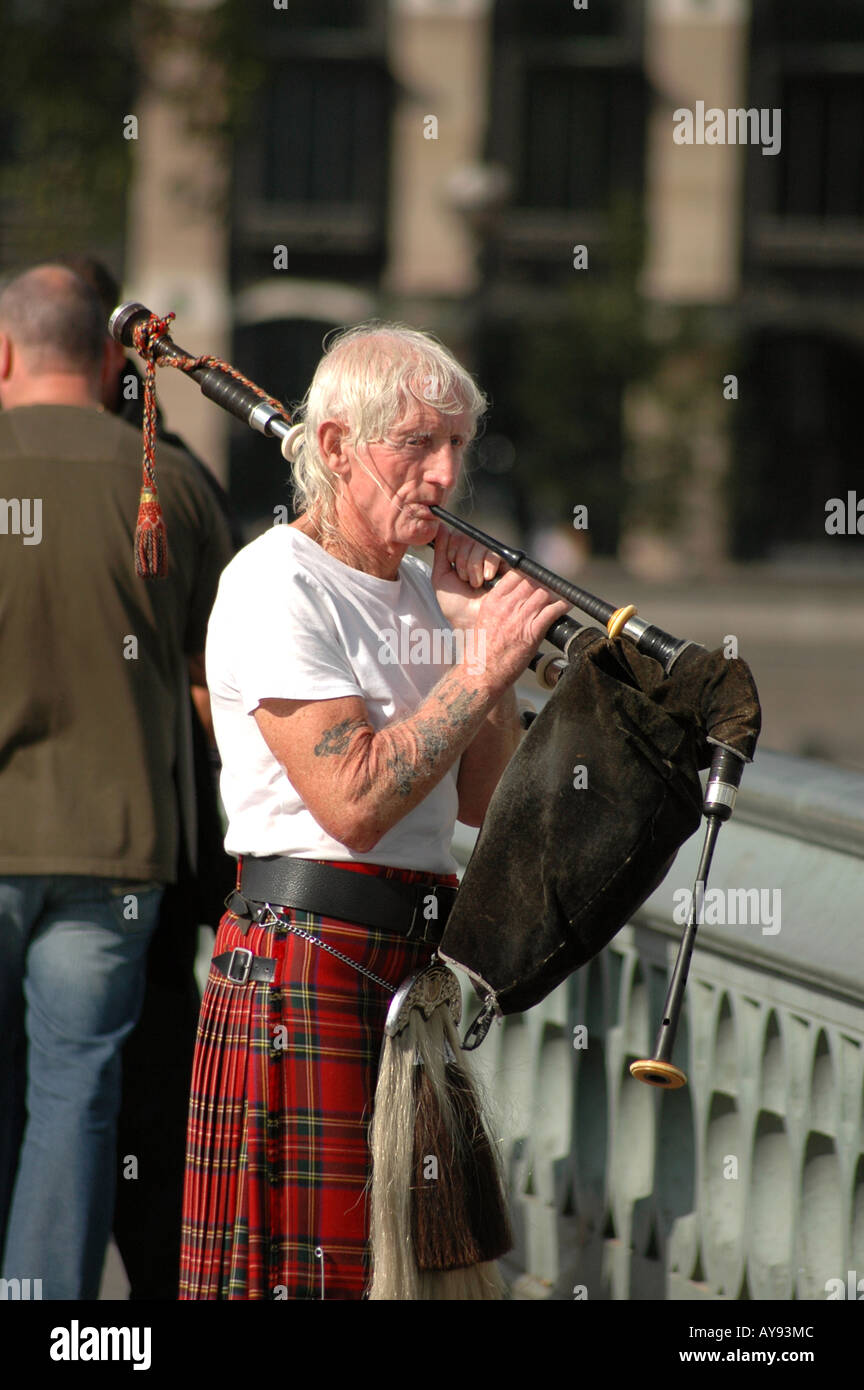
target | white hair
x=366, y=381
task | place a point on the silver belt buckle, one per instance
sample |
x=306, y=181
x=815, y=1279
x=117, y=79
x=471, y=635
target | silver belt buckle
x=243, y=967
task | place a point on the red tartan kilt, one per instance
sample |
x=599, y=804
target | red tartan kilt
x=277, y=1161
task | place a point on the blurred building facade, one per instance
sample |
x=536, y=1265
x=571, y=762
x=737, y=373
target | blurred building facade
x=670, y=333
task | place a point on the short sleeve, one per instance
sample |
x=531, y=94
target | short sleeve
x=273, y=637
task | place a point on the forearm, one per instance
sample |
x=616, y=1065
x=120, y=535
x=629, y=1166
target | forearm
x=386, y=774
x=484, y=761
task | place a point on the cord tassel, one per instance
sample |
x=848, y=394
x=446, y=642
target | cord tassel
x=151, y=537
x=151, y=540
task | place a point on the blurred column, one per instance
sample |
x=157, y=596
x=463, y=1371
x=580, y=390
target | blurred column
x=177, y=243
x=439, y=56
x=679, y=424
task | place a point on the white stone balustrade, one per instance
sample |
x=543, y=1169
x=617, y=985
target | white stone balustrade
x=749, y=1182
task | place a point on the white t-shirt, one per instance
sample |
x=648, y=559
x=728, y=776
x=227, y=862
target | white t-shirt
x=291, y=622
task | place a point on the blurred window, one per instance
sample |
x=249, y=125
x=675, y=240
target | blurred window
x=790, y=21
x=808, y=61
x=323, y=133
x=568, y=121
x=797, y=443
x=823, y=145
x=582, y=137
x=311, y=171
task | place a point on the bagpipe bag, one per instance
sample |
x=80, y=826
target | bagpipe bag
x=591, y=810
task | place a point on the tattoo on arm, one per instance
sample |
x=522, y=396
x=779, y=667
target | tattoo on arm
x=337, y=738
x=434, y=737
x=404, y=773
x=460, y=704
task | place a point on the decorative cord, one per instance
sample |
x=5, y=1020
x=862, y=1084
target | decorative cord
x=151, y=541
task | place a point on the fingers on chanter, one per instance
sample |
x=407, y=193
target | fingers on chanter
x=473, y=563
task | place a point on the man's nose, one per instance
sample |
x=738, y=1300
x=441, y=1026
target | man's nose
x=444, y=465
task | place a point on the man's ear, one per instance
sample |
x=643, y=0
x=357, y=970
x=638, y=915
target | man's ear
x=5, y=357
x=330, y=442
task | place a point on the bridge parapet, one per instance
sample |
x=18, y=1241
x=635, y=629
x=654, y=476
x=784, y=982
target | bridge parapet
x=749, y=1182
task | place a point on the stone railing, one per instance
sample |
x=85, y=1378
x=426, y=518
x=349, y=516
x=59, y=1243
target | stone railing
x=749, y=1182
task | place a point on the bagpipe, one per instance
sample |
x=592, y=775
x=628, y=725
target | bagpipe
x=635, y=715
x=583, y=825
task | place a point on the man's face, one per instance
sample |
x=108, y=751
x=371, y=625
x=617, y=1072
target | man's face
x=418, y=464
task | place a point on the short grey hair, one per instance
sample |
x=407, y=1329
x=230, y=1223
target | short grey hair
x=54, y=318
x=366, y=381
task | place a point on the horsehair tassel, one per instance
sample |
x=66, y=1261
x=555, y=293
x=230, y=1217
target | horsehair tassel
x=438, y=1211
x=458, y=1213
x=149, y=337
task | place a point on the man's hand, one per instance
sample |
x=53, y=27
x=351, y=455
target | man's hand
x=514, y=615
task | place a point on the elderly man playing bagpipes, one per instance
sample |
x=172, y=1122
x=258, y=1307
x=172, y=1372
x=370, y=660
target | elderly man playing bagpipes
x=351, y=740
x=344, y=771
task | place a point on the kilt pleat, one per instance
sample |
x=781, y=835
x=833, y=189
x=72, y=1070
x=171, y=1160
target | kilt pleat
x=277, y=1163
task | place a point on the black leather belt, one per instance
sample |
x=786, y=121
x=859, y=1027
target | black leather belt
x=240, y=966
x=418, y=911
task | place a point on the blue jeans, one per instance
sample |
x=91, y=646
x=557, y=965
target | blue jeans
x=72, y=959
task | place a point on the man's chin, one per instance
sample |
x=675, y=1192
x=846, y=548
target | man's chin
x=424, y=527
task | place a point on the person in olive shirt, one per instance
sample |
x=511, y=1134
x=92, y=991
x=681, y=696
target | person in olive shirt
x=157, y=1055
x=93, y=727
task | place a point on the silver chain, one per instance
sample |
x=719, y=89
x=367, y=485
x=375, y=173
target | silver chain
x=316, y=941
